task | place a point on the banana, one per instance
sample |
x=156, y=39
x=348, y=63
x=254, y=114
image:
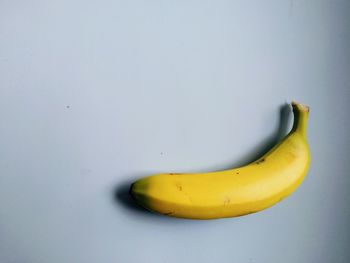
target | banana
x=234, y=192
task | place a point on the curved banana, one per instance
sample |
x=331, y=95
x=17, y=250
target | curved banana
x=235, y=192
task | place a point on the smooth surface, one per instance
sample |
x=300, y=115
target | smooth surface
x=94, y=94
x=233, y=192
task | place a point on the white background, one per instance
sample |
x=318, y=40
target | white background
x=95, y=94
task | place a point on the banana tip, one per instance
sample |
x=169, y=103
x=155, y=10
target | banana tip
x=301, y=107
x=131, y=189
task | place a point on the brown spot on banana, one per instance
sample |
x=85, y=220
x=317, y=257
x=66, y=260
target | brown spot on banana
x=260, y=161
x=227, y=200
x=179, y=186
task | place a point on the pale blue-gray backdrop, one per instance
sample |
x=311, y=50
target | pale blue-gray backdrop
x=94, y=94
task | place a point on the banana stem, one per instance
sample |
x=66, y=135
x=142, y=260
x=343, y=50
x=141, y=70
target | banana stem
x=301, y=115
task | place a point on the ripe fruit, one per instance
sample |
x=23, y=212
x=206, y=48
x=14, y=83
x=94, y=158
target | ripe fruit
x=234, y=192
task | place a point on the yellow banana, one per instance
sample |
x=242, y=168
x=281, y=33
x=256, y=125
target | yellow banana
x=235, y=192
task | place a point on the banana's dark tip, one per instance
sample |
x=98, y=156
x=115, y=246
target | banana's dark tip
x=131, y=189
